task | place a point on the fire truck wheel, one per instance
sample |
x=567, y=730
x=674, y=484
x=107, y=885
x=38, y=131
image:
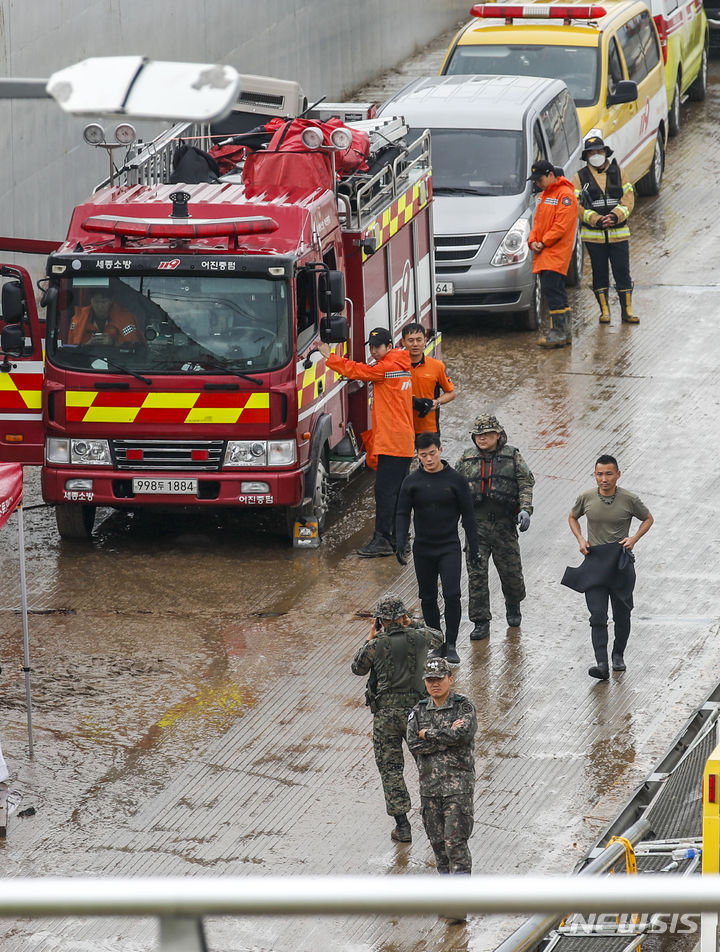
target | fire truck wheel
x=75, y=522
x=318, y=493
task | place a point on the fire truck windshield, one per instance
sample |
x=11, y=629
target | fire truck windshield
x=169, y=324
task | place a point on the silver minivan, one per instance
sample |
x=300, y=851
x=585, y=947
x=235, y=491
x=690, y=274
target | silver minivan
x=486, y=133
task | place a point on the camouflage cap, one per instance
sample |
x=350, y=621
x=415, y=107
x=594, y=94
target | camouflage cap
x=390, y=606
x=486, y=423
x=436, y=668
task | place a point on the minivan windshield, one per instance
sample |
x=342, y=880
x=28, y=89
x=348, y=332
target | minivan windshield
x=156, y=323
x=575, y=65
x=478, y=161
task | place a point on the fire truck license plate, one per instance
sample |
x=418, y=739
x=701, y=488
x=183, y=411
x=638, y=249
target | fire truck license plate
x=444, y=287
x=165, y=487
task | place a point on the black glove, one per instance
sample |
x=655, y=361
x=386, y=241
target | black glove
x=400, y=556
x=423, y=405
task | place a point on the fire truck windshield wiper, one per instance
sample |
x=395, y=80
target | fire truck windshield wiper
x=126, y=370
x=212, y=365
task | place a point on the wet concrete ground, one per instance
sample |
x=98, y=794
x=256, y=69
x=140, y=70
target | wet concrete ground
x=194, y=708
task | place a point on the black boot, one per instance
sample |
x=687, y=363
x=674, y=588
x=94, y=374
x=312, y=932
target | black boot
x=451, y=655
x=512, y=614
x=377, y=546
x=618, y=662
x=601, y=671
x=402, y=832
x=481, y=631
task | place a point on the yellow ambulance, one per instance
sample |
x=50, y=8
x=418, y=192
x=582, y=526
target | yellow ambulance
x=684, y=33
x=609, y=56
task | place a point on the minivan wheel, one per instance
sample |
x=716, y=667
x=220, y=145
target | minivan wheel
x=575, y=271
x=650, y=183
x=531, y=319
x=698, y=87
x=674, y=111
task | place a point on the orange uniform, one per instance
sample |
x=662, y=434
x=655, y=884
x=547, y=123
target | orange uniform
x=555, y=225
x=429, y=380
x=121, y=325
x=392, y=412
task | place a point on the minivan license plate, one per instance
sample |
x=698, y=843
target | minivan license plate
x=444, y=287
x=165, y=487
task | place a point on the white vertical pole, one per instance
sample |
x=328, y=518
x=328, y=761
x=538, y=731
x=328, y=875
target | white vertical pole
x=26, y=637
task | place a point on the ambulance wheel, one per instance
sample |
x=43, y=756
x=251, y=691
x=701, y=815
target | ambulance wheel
x=317, y=489
x=650, y=183
x=674, y=111
x=531, y=319
x=698, y=87
x=74, y=521
x=575, y=271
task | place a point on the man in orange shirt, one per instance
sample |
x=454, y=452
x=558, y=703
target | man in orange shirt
x=552, y=239
x=104, y=321
x=431, y=386
x=392, y=426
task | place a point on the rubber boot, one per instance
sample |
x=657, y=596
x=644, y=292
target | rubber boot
x=451, y=655
x=402, y=832
x=626, y=307
x=566, y=317
x=601, y=296
x=512, y=614
x=556, y=335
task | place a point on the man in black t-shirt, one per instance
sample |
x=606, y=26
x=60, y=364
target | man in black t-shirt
x=438, y=496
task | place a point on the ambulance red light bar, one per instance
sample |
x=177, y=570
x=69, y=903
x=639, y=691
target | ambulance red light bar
x=536, y=11
x=164, y=228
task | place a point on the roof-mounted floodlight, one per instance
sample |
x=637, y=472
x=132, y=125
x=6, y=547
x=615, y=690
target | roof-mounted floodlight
x=136, y=86
x=312, y=137
x=341, y=138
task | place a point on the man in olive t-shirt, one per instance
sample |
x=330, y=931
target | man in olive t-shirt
x=609, y=511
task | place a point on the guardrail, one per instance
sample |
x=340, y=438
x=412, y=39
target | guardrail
x=180, y=903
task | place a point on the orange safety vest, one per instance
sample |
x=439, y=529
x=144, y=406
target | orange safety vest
x=555, y=225
x=121, y=325
x=392, y=412
x=429, y=380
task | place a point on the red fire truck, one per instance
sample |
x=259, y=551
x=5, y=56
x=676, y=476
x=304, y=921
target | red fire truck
x=203, y=385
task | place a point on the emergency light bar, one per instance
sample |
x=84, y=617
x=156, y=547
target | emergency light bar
x=536, y=11
x=162, y=228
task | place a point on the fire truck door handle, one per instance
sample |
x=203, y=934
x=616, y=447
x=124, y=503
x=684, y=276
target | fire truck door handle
x=321, y=386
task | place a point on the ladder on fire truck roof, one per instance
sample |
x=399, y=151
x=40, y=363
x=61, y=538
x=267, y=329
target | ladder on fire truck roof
x=395, y=164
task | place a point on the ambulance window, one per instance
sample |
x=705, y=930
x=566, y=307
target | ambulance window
x=306, y=309
x=615, y=72
x=630, y=35
x=649, y=41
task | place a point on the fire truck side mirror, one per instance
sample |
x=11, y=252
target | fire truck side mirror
x=334, y=329
x=12, y=302
x=12, y=340
x=331, y=288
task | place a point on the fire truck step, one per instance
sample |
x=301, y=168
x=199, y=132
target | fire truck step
x=344, y=468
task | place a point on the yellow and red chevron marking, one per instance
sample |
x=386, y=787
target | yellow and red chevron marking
x=398, y=214
x=309, y=381
x=89, y=406
x=21, y=391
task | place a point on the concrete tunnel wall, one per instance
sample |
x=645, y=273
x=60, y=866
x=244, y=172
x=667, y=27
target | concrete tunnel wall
x=330, y=46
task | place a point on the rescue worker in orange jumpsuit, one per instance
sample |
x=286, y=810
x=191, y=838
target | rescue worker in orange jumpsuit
x=392, y=427
x=552, y=239
x=104, y=321
x=431, y=386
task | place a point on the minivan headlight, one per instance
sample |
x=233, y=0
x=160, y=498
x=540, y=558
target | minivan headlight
x=514, y=247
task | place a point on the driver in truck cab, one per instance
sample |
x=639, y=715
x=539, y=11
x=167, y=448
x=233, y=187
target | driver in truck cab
x=104, y=321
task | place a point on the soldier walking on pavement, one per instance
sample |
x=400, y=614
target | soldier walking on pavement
x=553, y=239
x=502, y=488
x=392, y=427
x=607, y=573
x=438, y=497
x=606, y=200
x=394, y=655
x=441, y=733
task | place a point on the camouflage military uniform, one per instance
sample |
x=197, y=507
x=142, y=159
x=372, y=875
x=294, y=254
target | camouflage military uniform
x=446, y=762
x=397, y=656
x=501, y=484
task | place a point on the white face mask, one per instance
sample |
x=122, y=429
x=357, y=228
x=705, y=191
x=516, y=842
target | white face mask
x=597, y=160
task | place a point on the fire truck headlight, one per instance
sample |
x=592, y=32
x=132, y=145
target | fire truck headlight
x=90, y=452
x=245, y=453
x=514, y=247
x=281, y=452
x=57, y=450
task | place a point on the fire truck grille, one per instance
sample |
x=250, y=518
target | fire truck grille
x=457, y=247
x=196, y=455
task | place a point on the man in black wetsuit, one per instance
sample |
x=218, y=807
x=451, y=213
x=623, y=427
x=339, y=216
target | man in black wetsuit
x=438, y=496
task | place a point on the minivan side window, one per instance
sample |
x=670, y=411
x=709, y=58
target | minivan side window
x=570, y=121
x=630, y=35
x=552, y=124
x=539, y=151
x=615, y=72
